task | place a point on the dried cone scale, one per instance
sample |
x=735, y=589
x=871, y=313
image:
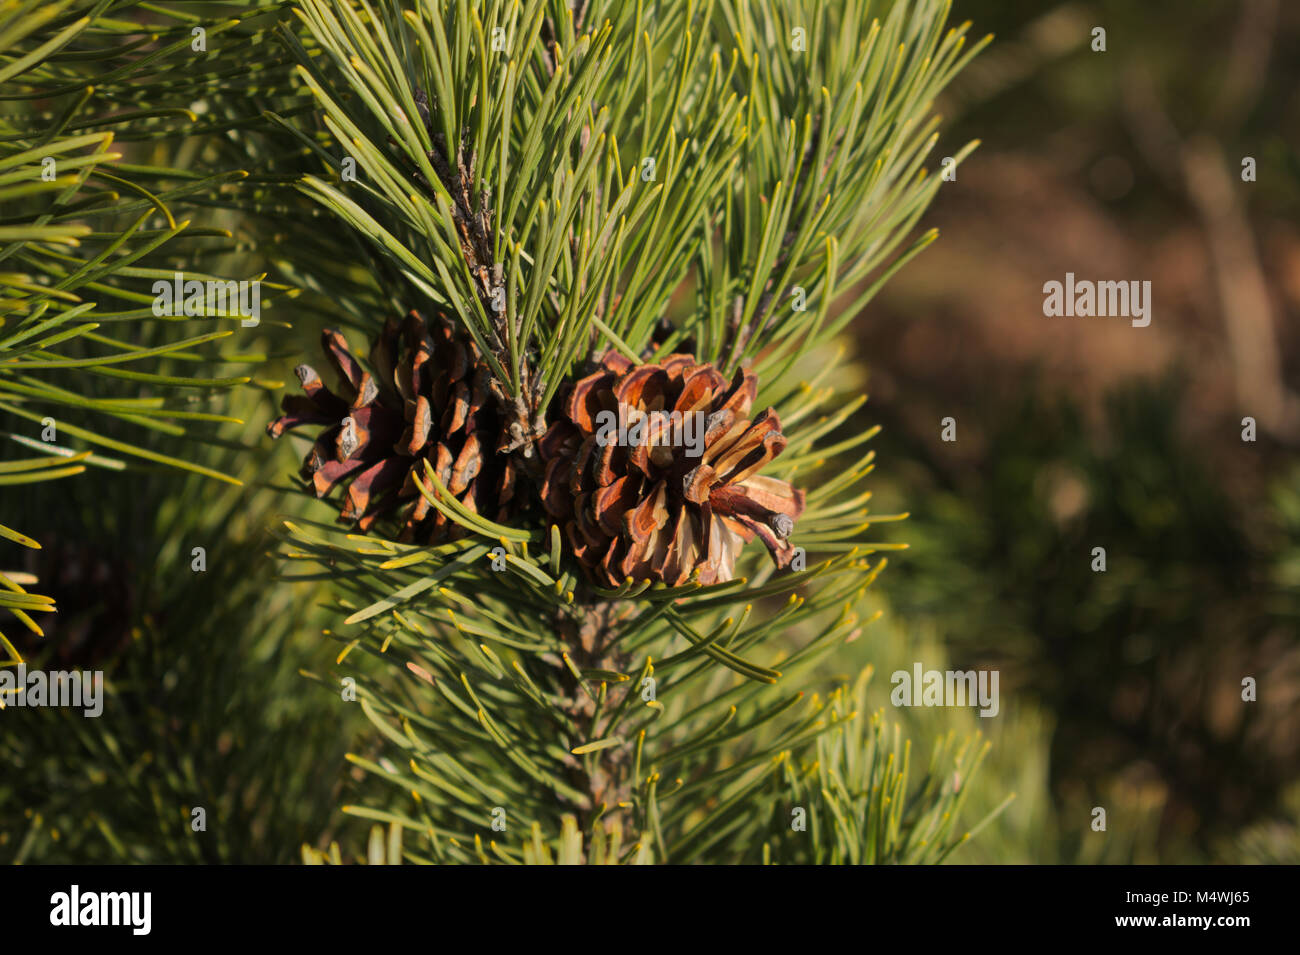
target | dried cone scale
x=429, y=399
x=646, y=509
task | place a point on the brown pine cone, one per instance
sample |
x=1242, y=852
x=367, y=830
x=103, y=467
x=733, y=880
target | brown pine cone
x=637, y=503
x=429, y=398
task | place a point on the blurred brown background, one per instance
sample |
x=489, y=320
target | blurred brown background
x=1075, y=433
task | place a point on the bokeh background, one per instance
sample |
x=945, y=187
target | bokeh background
x=1075, y=433
x=1119, y=689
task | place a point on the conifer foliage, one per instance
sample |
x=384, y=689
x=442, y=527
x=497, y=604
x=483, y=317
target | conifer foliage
x=92, y=186
x=653, y=207
x=499, y=220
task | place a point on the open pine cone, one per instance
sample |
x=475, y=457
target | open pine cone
x=429, y=399
x=645, y=508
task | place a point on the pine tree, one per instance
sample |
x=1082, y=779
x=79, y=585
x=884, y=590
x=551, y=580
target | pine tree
x=503, y=219
x=119, y=166
x=80, y=230
x=655, y=206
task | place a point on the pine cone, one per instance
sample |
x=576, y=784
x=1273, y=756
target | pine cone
x=635, y=502
x=430, y=398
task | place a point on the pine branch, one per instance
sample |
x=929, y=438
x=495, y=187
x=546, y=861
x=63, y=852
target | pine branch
x=547, y=180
